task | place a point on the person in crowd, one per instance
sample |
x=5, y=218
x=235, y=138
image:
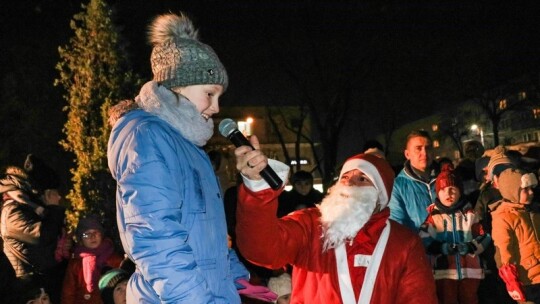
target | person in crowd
x=29, y=291
x=302, y=195
x=170, y=211
x=46, y=184
x=373, y=146
x=465, y=168
x=29, y=229
x=112, y=286
x=343, y=251
x=414, y=188
x=516, y=226
x=488, y=169
x=454, y=238
x=93, y=255
x=281, y=285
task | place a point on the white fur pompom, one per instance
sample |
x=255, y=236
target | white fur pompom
x=166, y=28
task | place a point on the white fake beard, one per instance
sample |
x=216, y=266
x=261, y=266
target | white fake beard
x=344, y=211
x=177, y=110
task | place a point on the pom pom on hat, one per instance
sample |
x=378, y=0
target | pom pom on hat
x=178, y=58
x=108, y=282
x=448, y=178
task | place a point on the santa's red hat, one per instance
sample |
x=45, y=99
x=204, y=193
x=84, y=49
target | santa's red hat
x=377, y=170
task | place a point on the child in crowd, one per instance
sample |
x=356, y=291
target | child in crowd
x=516, y=227
x=453, y=237
x=28, y=290
x=93, y=255
x=112, y=286
x=281, y=285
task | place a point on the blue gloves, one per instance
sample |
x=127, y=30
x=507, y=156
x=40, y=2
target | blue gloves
x=449, y=249
x=466, y=248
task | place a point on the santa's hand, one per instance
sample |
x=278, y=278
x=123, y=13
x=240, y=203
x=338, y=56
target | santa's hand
x=254, y=291
x=250, y=162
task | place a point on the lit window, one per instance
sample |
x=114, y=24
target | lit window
x=436, y=144
x=536, y=113
x=435, y=127
x=245, y=127
x=522, y=95
x=502, y=104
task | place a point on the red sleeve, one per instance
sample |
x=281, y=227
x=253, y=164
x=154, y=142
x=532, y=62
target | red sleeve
x=70, y=282
x=264, y=239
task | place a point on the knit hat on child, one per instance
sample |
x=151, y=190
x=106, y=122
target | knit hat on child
x=89, y=222
x=108, y=282
x=498, y=162
x=178, y=58
x=511, y=181
x=448, y=178
x=280, y=285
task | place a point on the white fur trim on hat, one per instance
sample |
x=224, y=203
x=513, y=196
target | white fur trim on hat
x=371, y=172
x=529, y=180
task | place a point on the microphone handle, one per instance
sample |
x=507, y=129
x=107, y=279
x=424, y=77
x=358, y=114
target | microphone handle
x=238, y=139
x=268, y=174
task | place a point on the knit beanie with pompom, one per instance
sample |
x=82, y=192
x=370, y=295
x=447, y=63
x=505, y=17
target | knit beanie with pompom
x=448, y=178
x=178, y=58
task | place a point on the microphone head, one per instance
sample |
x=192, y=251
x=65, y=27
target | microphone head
x=227, y=126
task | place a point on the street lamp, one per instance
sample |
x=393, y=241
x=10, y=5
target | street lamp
x=478, y=130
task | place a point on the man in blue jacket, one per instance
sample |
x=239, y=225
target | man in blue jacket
x=169, y=207
x=414, y=187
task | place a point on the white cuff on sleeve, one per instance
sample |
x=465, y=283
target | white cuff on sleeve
x=281, y=169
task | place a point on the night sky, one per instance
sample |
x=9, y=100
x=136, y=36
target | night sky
x=419, y=56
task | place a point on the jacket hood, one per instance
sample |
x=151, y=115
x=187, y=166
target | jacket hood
x=120, y=109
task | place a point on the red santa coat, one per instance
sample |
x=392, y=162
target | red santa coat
x=404, y=274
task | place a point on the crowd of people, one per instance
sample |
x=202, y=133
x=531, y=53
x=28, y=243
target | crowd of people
x=438, y=231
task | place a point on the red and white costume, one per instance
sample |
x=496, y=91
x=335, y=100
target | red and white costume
x=386, y=262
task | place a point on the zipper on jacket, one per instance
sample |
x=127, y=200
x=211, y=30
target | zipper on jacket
x=456, y=256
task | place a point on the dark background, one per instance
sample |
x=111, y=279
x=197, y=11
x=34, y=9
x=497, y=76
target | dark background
x=420, y=56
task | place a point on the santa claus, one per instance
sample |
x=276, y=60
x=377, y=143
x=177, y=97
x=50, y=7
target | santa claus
x=346, y=250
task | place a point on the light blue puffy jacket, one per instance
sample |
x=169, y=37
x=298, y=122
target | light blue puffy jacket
x=410, y=198
x=170, y=215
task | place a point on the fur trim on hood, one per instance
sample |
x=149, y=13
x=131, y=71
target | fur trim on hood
x=120, y=109
x=172, y=107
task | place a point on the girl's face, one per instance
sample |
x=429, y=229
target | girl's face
x=449, y=195
x=92, y=238
x=205, y=97
x=119, y=292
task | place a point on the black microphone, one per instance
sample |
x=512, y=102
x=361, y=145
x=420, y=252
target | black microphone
x=229, y=129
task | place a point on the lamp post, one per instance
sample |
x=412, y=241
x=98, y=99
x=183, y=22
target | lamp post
x=478, y=130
